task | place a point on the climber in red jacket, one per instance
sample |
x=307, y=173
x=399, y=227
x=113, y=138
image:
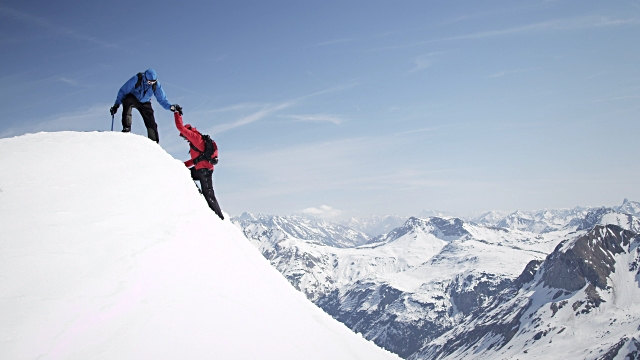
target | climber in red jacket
x=204, y=154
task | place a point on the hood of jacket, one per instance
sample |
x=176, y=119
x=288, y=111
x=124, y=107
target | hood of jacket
x=150, y=74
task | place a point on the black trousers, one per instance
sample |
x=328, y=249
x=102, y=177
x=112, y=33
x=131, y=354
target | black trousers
x=145, y=110
x=206, y=183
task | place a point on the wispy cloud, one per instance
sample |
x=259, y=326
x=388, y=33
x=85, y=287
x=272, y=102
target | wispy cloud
x=586, y=22
x=477, y=15
x=221, y=57
x=331, y=42
x=424, y=61
x=235, y=107
x=324, y=211
x=331, y=90
x=416, y=131
x=621, y=97
x=317, y=117
x=53, y=28
x=253, y=117
x=387, y=34
x=68, y=81
x=268, y=110
x=421, y=62
x=329, y=165
x=502, y=12
x=509, y=72
x=578, y=23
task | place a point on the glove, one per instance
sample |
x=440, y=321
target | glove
x=214, y=161
x=114, y=109
x=176, y=107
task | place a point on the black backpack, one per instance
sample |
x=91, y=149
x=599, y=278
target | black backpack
x=210, y=147
x=139, y=82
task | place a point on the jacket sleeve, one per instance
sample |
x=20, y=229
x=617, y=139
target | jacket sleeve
x=191, y=135
x=126, y=89
x=161, y=97
x=178, y=118
x=186, y=133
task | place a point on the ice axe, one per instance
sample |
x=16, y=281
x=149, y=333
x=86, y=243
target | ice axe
x=113, y=111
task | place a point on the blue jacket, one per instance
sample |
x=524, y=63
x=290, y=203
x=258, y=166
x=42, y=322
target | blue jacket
x=144, y=91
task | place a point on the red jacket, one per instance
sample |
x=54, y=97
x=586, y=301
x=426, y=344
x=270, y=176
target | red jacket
x=194, y=137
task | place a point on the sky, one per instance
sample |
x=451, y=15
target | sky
x=352, y=108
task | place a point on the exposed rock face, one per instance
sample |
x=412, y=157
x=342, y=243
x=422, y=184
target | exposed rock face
x=500, y=317
x=528, y=274
x=578, y=272
x=589, y=259
x=469, y=294
x=373, y=310
x=625, y=345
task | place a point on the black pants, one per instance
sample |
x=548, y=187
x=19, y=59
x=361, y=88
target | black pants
x=145, y=110
x=204, y=176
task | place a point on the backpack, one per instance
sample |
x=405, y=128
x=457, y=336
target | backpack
x=139, y=82
x=210, y=147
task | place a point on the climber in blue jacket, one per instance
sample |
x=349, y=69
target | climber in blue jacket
x=136, y=93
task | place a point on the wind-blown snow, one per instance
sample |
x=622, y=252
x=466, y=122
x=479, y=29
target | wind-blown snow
x=107, y=251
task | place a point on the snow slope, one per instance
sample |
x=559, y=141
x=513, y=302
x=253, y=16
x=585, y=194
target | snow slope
x=107, y=251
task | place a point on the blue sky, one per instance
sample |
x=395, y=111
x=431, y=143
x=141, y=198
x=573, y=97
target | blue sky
x=354, y=107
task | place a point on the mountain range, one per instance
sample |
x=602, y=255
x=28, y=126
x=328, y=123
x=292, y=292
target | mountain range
x=488, y=287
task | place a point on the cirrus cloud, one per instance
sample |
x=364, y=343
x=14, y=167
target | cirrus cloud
x=324, y=211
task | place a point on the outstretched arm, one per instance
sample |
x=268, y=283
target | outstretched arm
x=184, y=132
x=194, y=137
x=161, y=97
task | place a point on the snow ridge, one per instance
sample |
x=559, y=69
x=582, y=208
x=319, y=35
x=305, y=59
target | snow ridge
x=111, y=253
